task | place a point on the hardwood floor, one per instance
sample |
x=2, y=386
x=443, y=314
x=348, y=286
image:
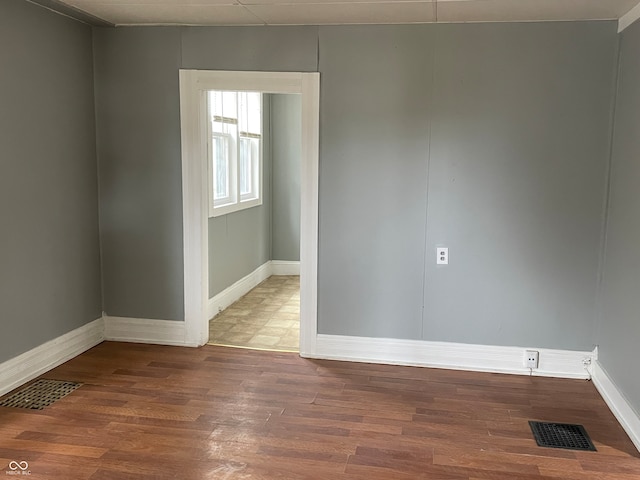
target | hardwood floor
x=154, y=412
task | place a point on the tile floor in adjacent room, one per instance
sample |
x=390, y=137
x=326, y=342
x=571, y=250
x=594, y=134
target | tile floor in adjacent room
x=268, y=317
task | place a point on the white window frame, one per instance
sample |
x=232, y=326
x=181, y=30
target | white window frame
x=215, y=203
x=234, y=201
x=255, y=161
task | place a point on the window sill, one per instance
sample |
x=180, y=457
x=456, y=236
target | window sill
x=233, y=207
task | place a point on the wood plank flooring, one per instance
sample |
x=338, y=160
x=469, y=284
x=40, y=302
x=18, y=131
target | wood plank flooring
x=154, y=412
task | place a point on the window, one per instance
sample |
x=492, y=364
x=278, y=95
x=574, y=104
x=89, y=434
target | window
x=234, y=146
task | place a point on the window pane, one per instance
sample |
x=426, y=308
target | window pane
x=254, y=113
x=245, y=166
x=220, y=157
x=215, y=110
x=250, y=112
x=215, y=103
x=235, y=120
x=242, y=111
x=223, y=111
x=230, y=104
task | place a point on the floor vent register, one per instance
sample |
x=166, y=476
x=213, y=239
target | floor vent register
x=40, y=394
x=561, y=435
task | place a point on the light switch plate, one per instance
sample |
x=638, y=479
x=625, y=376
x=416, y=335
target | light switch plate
x=442, y=256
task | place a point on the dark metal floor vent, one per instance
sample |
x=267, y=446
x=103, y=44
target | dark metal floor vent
x=561, y=435
x=39, y=394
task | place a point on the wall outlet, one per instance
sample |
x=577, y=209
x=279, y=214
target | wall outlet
x=531, y=358
x=442, y=256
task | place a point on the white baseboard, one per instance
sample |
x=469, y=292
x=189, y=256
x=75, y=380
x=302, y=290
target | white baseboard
x=244, y=285
x=41, y=359
x=145, y=330
x=285, y=267
x=623, y=411
x=456, y=356
x=238, y=289
x=167, y=332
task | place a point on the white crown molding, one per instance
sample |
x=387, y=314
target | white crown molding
x=628, y=18
x=41, y=359
x=623, y=411
x=455, y=356
x=145, y=330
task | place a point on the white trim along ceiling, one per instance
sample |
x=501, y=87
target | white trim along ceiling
x=340, y=12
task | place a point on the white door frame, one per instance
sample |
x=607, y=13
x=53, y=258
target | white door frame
x=193, y=85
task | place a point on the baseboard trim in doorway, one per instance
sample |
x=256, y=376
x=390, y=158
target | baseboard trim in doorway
x=617, y=403
x=285, y=267
x=145, y=330
x=27, y=366
x=243, y=286
x=455, y=356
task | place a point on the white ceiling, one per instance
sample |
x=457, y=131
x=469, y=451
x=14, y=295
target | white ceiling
x=329, y=12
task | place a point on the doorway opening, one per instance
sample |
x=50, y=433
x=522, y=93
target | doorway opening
x=194, y=85
x=254, y=219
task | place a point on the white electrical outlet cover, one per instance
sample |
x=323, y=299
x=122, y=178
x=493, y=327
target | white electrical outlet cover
x=442, y=256
x=531, y=358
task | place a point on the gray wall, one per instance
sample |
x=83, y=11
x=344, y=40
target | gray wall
x=49, y=245
x=240, y=242
x=619, y=330
x=374, y=146
x=138, y=121
x=138, y=117
x=285, y=49
x=286, y=153
x=519, y=148
x=492, y=139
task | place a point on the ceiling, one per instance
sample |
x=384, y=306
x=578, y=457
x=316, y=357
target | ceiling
x=330, y=12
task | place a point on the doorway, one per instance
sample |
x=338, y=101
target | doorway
x=193, y=87
x=263, y=237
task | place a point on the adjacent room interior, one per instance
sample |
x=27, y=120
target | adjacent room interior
x=261, y=228
x=471, y=177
